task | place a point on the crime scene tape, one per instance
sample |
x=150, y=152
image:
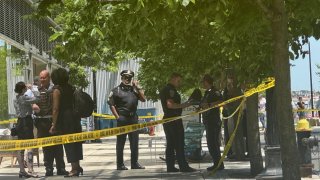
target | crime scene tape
x=14, y=120
x=10, y=145
x=232, y=113
x=107, y=116
x=306, y=110
x=228, y=146
x=111, y=117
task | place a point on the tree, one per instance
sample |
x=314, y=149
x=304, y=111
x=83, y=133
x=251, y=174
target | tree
x=3, y=83
x=251, y=37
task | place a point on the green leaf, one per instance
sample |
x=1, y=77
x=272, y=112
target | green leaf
x=54, y=36
x=76, y=2
x=99, y=32
x=81, y=29
x=185, y=2
x=141, y=3
x=93, y=32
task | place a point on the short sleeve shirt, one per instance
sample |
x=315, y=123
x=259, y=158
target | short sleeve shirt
x=124, y=98
x=210, y=96
x=170, y=92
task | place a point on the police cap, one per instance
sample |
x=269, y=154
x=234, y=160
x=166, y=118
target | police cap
x=127, y=73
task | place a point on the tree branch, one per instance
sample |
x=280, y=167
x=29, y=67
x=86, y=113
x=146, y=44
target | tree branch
x=265, y=9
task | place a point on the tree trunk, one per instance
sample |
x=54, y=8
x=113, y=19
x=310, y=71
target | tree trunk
x=253, y=135
x=289, y=151
x=272, y=130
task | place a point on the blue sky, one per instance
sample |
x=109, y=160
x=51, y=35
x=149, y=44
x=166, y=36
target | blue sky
x=300, y=77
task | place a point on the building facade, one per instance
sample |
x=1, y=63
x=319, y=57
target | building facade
x=25, y=51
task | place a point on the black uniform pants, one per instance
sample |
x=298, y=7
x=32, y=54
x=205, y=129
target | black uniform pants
x=133, y=138
x=213, y=128
x=175, y=144
x=51, y=152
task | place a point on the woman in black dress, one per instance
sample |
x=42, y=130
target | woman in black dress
x=64, y=120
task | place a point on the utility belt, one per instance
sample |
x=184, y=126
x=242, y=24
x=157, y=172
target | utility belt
x=26, y=117
x=44, y=120
x=126, y=113
x=44, y=117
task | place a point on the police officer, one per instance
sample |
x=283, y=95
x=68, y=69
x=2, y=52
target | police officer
x=211, y=120
x=123, y=102
x=172, y=107
x=43, y=123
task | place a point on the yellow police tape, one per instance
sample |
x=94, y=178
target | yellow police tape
x=10, y=145
x=107, y=116
x=228, y=146
x=111, y=117
x=232, y=113
x=306, y=110
x=13, y=120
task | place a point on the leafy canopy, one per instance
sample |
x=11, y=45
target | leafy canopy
x=190, y=37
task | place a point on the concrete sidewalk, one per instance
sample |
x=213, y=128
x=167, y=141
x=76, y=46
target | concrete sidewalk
x=100, y=163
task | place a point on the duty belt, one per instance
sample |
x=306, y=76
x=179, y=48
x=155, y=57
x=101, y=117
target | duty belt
x=44, y=117
x=126, y=113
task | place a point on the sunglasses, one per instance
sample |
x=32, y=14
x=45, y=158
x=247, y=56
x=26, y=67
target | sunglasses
x=127, y=78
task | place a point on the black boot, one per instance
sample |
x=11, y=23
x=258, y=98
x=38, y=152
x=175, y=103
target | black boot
x=121, y=167
x=187, y=169
x=172, y=169
x=136, y=166
x=62, y=172
x=221, y=167
x=49, y=172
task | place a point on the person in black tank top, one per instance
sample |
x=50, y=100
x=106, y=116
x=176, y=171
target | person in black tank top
x=64, y=120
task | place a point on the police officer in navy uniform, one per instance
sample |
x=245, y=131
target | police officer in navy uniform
x=123, y=102
x=172, y=107
x=211, y=120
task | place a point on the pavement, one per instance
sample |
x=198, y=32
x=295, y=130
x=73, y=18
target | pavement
x=100, y=163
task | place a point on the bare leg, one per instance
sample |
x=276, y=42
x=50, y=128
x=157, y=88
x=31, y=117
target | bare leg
x=30, y=160
x=20, y=157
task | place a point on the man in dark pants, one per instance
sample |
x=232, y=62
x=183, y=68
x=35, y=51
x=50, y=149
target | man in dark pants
x=172, y=107
x=43, y=123
x=211, y=120
x=123, y=102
